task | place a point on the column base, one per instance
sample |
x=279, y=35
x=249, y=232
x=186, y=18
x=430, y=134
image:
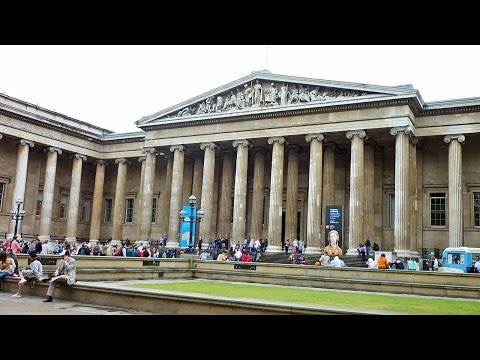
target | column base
x=407, y=254
x=274, y=249
x=313, y=250
x=115, y=242
x=51, y=246
x=44, y=238
x=172, y=244
x=351, y=251
x=71, y=240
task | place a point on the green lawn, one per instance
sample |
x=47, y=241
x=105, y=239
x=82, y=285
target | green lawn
x=345, y=299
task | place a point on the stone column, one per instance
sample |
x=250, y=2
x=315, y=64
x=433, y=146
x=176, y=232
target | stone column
x=74, y=198
x=368, y=194
x=97, y=201
x=413, y=210
x=138, y=214
x=357, y=183
x=147, y=194
x=258, y=193
x=20, y=181
x=402, y=157
x=314, y=204
x=225, y=211
x=291, y=215
x=207, y=190
x=240, y=194
x=176, y=195
x=197, y=181
x=119, y=206
x=276, y=195
x=167, y=192
x=328, y=197
x=455, y=203
x=48, y=192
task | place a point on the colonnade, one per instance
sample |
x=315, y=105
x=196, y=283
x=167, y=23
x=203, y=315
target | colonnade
x=321, y=188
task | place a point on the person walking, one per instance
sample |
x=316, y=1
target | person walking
x=286, y=245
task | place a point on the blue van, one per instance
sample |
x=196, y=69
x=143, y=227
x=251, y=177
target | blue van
x=459, y=259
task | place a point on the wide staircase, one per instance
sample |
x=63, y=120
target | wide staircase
x=282, y=258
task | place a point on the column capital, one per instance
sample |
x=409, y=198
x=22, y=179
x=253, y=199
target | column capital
x=150, y=150
x=319, y=137
x=296, y=148
x=79, y=156
x=123, y=161
x=178, y=147
x=142, y=159
x=243, y=142
x=25, y=142
x=210, y=145
x=405, y=129
x=460, y=138
x=53, y=149
x=360, y=133
x=100, y=162
x=281, y=140
x=257, y=149
x=331, y=145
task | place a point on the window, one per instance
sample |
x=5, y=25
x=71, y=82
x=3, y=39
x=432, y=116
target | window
x=63, y=206
x=38, y=208
x=476, y=208
x=107, y=211
x=391, y=210
x=2, y=194
x=86, y=209
x=154, y=210
x=129, y=210
x=437, y=209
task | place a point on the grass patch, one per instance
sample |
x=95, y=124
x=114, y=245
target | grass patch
x=405, y=304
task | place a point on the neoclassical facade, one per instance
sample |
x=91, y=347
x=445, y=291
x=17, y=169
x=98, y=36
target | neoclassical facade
x=264, y=155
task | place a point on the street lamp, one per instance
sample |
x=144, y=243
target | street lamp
x=192, y=218
x=17, y=214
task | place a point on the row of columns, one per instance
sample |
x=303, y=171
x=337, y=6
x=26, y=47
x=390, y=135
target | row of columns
x=320, y=188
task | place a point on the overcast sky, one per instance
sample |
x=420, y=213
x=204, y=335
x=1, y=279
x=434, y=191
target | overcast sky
x=113, y=86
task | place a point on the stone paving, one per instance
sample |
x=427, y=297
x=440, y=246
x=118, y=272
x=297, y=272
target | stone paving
x=34, y=305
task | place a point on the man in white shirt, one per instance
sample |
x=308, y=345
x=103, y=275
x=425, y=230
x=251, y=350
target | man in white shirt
x=477, y=265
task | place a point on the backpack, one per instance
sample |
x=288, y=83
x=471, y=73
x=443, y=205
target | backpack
x=96, y=249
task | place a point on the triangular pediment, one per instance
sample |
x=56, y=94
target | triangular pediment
x=263, y=90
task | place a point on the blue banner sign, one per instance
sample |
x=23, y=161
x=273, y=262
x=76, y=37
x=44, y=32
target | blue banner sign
x=187, y=233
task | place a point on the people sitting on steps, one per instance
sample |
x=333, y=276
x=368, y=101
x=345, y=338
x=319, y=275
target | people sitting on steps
x=33, y=272
x=65, y=274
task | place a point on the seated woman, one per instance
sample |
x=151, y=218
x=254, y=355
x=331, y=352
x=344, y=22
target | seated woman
x=361, y=251
x=7, y=265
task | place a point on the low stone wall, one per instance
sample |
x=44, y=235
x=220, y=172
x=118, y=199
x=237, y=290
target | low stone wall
x=164, y=303
x=110, y=268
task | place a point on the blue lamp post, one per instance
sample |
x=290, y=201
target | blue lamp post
x=192, y=218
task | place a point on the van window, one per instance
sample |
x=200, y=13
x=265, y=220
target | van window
x=456, y=258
